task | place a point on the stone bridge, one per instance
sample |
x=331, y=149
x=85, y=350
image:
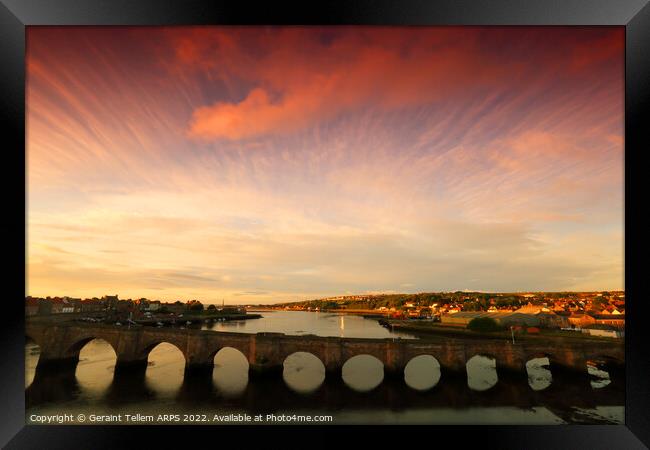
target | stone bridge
x=61, y=343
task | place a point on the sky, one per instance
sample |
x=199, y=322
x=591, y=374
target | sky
x=273, y=164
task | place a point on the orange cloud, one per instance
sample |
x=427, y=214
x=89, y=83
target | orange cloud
x=297, y=81
x=254, y=115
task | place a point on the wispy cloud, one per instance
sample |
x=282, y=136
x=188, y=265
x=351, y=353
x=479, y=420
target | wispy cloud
x=280, y=163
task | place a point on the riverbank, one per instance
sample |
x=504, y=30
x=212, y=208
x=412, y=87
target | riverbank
x=426, y=329
x=166, y=320
x=368, y=313
x=202, y=318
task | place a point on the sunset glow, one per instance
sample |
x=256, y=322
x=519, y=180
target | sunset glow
x=265, y=164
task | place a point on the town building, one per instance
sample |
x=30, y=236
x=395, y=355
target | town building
x=31, y=306
x=616, y=320
x=110, y=301
x=580, y=320
x=154, y=305
x=91, y=306
x=603, y=331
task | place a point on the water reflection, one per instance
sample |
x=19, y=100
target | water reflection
x=302, y=322
x=230, y=374
x=363, y=373
x=303, y=372
x=422, y=372
x=539, y=373
x=165, y=369
x=453, y=416
x=129, y=386
x=96, y=366
x=481, y=373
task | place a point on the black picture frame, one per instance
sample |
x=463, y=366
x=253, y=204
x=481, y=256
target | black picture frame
x=15, y=15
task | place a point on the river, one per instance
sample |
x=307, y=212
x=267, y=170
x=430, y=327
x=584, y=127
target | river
x=361, y=396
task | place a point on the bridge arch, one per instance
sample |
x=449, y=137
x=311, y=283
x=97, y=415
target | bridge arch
x=96, y=366
x=240, y=348
x=146, y=349
x=605, y=358
x=481, y=371
x=540, y=354
x=539, y=368
x=78, y=343
x=422, y=372
x=73, y=345
x=230, y=368
x=303, y=372
x=376, y=351
x=165, y=369
x=363, y=372
x=228, y=352
x=30, y=339
x=484, y=354
x=603, y=369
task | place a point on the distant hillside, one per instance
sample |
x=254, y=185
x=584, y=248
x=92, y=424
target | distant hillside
x=469, y=300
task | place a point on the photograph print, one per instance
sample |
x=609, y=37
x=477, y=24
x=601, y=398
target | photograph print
x=324, y=225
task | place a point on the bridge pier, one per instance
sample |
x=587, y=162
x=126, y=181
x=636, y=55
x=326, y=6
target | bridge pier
x=130, y=367
x=453, y=375
x=617, y=375
x=61, y=366
x=570, y=376
x=196, y=371
x=393, y=373
x=453, y=378
x=259, y=371
x=197, y=386
x=452, y=388
x=334, y=373
x=512, y=383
